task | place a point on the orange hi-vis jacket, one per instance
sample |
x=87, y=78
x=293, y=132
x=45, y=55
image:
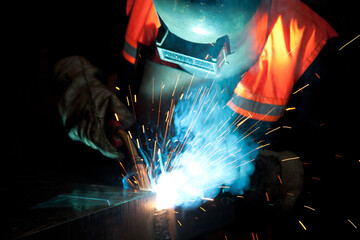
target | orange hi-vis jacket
x=142, y=27
x=295, y=35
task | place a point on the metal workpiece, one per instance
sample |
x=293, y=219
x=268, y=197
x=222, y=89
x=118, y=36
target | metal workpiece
x=210, y=216
x=164, y=224
x=181, y=223
x=89, y=212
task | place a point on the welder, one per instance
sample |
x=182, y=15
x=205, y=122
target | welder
x=258, y=48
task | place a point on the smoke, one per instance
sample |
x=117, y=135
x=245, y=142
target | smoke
x=210, y=153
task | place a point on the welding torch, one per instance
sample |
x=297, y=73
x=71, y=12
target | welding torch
x=139, y=173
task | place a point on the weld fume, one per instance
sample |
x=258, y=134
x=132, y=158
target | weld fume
x=212, y=151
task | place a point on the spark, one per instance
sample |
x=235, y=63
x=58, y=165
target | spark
x=171, y=112
x=154, y=150
x=130, y=134
x=293, y=49
x=240, y=196
x=179, y=223
x=317, y=75
x=207, y=199
x=352, y=223
x=132, y=185
x=241, y=122
x=245, y=163
x=210, y=112
x=312, y=209
x=273, y=130
x=267, y=197
x=135, y=99
x=302, y=225
x=221, y=62
x=202, y=209
x=160, y=161
x=262, y=146
x=116, y=116
x=279, y=178
x=132, y=102
x=122, y=166
x=316, y=178
x=177, y=80
x=254, y=236
x=167, y=116
x=210, y=102
x=167, y=142
x=117, y=88
x=291, y=158
x=189, y=86
x=143, y=128
x=300, y=89
x=212, y=84
x=127, y=100
x=207, y=74
x=290, y=108
x=349, y=42
x=248, y=134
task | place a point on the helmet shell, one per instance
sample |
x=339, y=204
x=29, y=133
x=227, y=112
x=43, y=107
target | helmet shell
x=204, y=21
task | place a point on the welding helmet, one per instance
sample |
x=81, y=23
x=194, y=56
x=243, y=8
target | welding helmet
x=198, y=34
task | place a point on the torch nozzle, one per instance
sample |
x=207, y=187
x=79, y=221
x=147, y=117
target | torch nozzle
x=139, y=170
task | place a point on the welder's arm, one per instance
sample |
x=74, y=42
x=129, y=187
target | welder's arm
x=85, y=105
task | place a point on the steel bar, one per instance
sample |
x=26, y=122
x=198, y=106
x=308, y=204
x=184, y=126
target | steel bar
x=90, y=212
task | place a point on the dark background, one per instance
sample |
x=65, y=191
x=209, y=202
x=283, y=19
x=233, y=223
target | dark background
x=38, y=155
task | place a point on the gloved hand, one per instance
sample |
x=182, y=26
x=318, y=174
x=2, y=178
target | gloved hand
x=278, y=177
x=85, y=104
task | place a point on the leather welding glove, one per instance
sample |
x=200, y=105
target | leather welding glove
x=85, y=103
x=278, y=177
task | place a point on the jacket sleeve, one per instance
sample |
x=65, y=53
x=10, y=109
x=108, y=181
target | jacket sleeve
x=142, y=27
x=85, y=103
x=297, y=35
